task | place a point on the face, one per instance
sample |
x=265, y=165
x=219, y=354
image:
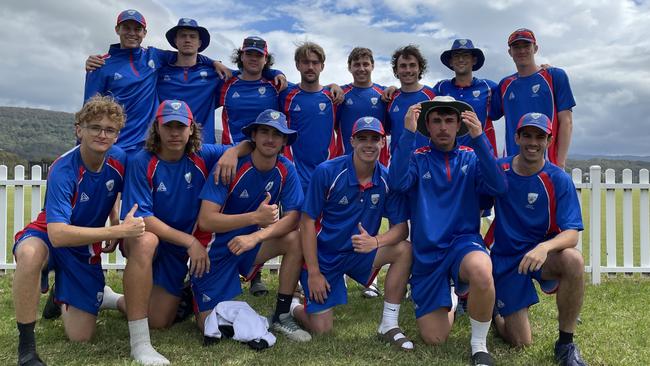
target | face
x=187, y=41
x=268, y=141
x=408, y=70
x=310, y=68
x=523, y=53
x=173, y=136
x=532, y=144
x=462, y=62
x=361, y=70
x=253, y=62
x=443, y=129
x=98, y=136
x=367, y=145
x=131, y=33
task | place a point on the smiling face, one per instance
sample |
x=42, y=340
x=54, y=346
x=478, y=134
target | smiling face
x=187, y=41
x=462, y=62
x=131, y=33
x=99, y=135
x=268, y=141
x=361, y=70
x=367, y=145
x=408, y=70
x=532, y=143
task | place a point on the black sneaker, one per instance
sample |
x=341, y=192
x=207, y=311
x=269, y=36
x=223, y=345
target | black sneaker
x=30, y=359
x=568, y=355
x=51, y=310
x=186, y=305
x=482, y=359
x=258, y=288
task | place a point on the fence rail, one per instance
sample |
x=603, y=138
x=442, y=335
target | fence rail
x=619, y=213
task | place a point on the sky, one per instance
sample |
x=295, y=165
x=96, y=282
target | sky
x=602, y=44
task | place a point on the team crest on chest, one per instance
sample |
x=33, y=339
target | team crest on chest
x=532, y=197
x=374, y=100
x=322, y=106
x=374, y=198
x=188, y=177
x=476, y=93
x=261, y=90
x=535, y=88
x=110, y=184
x=269, y=185
x=203, y=74
x=151, y=64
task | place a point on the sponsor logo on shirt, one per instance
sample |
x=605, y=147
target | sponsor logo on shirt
x=476, y=93
x=511, y=96
x=161, y=187
x=297, y=108
x=205, y=298
x=84, y=197
x=396, y=109
x=166, y=77
x=427, y=175
x=344, y=201
x=261, y=90
x=464, y=169
x=244, y=194
x=269, y=185
x=235, y=95
x=117, y=76
x=349, y=102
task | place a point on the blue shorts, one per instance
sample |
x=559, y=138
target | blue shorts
x=431, y=291
x=170, y=267
x=357, y=266
x=78, y=283
x=223, y=283
x=515, y=291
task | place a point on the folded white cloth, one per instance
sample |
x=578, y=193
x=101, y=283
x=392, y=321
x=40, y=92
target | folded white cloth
x=246, y=323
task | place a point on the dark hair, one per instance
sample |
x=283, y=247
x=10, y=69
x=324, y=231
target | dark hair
x=444, y=111
x=359, y=52
x=153, y=143
x=406, y=51
x=236, y=59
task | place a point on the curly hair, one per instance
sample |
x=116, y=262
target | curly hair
x=153, y=143
x=236, y=59
x=407, y=51
x=358, y=53
x=306, y=48
x=100, y=106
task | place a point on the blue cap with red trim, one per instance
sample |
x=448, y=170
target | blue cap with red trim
x=368, y=124
x=254, y=43
x=174, y=110
x=131, y=14
x=522, y=34
x=538, y=120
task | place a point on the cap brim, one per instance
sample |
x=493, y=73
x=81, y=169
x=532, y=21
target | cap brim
x=168, y=118
x=292, y=135
x=428, y=106
x=204, y=36
x=445, y=57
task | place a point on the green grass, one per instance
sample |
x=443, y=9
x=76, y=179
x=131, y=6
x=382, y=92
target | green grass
x=615, y=330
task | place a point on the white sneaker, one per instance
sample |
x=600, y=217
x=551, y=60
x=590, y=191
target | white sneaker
x=287, y=325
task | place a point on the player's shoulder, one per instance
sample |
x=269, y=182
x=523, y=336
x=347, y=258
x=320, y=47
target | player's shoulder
x=66, y=163
x=488, y=82
x=508, y=79
x=557, y=174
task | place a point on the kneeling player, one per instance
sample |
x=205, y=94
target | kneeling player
x=535, y=234
x=67, y=236
x=346, y=200
x=240, y=225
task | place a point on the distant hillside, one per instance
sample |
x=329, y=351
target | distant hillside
x=609, y=163
x=35, y=134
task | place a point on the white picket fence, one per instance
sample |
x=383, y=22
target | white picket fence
x=593, y=218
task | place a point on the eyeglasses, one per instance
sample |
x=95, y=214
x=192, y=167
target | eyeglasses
x=95, y=130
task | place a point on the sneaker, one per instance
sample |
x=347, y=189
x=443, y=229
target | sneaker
x=51, y=310
x=482, y=359
x=258, y=288
x=371, y=292
x=287, y=325
x=568, y=355
x=30, y=359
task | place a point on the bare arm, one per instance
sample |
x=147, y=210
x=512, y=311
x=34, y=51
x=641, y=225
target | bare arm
x=227, y=164
x=534, y=259
x=565, y=130
x=212, y=219
x=364, y=243
x=244, y=243
x=318, y=285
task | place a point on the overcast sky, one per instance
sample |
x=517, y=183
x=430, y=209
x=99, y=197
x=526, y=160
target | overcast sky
x=602, y=44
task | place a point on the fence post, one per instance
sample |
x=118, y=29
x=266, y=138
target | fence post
x=4, y=212
x=19, y=199
x=610, y=218
x=36, y=191
x=628, y=221
x=594, y=223
x=644, y=224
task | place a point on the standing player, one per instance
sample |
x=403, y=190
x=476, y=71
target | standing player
x=241, y=228
x=346, y=200
x=408, y=66
x=535, y=234
x=165, y=179
x=67, y=236
x=310, y=111
x=463, y=59
x=443, y=182
x=535, y=89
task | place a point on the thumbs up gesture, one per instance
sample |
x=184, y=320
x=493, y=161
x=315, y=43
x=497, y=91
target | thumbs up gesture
x=364, y=242
x=132, y=226
x=266, y=214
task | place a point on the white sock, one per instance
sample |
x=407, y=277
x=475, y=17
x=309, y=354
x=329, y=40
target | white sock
x=141, y=349
x=295, y=302
x=389, y=321
x=110, y=299
x=479, y=335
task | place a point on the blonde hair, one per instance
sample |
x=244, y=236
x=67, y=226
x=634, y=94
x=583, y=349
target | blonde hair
x=101, y=106
x=304, y=49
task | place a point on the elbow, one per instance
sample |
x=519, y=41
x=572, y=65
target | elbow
x=55, y=237
x=202, y=223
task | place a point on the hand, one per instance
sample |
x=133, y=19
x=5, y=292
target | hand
x=363, y=242
x=388, y=93
x=226, y=167
x=280, y=82
x=222, y=70
x=199, y=259
x=94, y=62
x=411, y=117
x=472, y=122
x=132, y=226
x=266, y=214
x=318, y=287
x=533, y=260
x=242, y=243
x=545, y=66
x=337, y=94
x=111, y=245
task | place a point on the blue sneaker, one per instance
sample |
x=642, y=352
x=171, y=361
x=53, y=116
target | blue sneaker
x=568, y=355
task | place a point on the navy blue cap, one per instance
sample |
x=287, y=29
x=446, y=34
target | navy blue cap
x=275, y=119
x=255, y=43
x=539, y=120
x=463, y=45
x=131, y=14
x=174, y=110
x=368, y=124
x=188, y=23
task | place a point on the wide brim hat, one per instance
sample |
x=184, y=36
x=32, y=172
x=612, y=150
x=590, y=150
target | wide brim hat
x=439, y=102
x=463, y=45
x=188, y=23
x=273, y=119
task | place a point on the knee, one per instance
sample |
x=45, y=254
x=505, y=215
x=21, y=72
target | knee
x=520, y=340
x=80, y=336
x=293, y=246
x=434, y=339
x=572, y=262
x=160, y=322
x=143, y=247
x=481, y=276
x=31, y=256
x=404, y=251
x=321, y=328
